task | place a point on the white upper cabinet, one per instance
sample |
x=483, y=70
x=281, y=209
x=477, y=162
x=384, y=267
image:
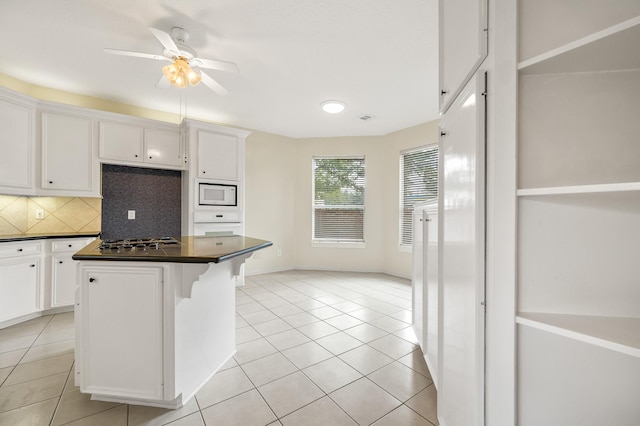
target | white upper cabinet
x=121, y=142
x=463, y=45
x=163, y=147
x=218, y=156
x=69, y=164
x=17, y=144
x=131, y=143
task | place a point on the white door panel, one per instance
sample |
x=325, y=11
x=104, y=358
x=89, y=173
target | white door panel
x=461, y=336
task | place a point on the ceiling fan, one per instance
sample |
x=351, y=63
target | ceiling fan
x=185, y=61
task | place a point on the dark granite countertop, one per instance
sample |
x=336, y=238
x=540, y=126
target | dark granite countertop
x=27, y=237
x=192, y=249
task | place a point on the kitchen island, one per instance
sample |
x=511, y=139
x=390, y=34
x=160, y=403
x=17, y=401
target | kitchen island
x=155, y=318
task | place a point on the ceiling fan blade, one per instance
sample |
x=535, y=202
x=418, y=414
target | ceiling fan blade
x=213, y=85
x=165, y=39
x=163, y=83
x=136, y=54
x=214, y=64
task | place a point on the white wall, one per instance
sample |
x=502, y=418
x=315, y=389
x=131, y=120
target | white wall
x=269, y=199
x=279, y=200
x=398, y=262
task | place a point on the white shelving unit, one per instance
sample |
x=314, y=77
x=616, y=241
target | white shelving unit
x=579, y=213
x=616, y=334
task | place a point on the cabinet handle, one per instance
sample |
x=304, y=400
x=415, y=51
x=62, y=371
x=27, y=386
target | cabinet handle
x=204, y=171
x=60, y=261
x=50, y=182
x=91, y=280
x=150, y=157
x=443, y=92
x=443, y=133
x=135, y=155
x=32, y=266
x=70, y=245
x=19, y=249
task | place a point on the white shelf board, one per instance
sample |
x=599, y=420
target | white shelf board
x=612, y=49
x=580, y=189
x=614, y=333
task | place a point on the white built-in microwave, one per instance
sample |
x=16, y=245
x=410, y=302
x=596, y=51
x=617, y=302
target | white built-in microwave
x=217, y=194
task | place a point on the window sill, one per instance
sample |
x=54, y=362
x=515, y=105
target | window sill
x=338, y=244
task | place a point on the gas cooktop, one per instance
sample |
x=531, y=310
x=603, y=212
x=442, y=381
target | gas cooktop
x=137, y=244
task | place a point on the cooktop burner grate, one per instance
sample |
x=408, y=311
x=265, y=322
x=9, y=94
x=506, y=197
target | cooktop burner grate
x=138, y=244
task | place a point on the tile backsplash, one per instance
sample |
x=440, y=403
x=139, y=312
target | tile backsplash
x=61, y=214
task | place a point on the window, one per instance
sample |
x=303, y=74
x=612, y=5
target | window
x=418, y=182
x=338, y=199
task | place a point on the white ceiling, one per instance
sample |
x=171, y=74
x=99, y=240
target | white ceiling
x=378, y=56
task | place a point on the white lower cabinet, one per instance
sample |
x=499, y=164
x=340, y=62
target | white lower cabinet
x=425, y=282
x=20, y=280
x=63, y=277
x=63, y=280
x=120, y=313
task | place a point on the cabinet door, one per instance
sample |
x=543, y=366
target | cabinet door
x=121, y=142
x=16, y=146
x=19, y=287
x=121, y=321
x=461, y=336
x=463, y=44
x=63, y=280
x=417, y=279
x=218, y=156
x=67, y=153
x=430, y=297
x=162, y=147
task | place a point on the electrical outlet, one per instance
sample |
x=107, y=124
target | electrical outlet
x=131, y=214
x=279, y=253
x=39, y=214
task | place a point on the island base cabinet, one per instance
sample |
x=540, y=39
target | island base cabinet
x=153, y=333
x=120, y=342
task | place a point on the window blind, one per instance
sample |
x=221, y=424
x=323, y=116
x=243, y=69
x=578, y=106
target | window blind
x=338, y=199
x=418, y=182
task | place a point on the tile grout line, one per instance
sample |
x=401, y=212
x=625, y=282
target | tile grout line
x=338, y=357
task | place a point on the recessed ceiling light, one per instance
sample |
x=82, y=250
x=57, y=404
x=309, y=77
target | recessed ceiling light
x=333, y=107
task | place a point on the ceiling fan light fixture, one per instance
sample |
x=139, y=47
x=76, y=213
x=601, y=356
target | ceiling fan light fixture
x=193, y=77
x=179, y=73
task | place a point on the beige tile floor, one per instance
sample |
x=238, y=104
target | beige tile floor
x=313, y=348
